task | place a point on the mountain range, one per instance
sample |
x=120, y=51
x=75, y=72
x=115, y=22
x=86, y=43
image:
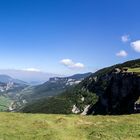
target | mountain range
x=29, y=76
x=23, y=94
x=111, y=90
x=7, y=79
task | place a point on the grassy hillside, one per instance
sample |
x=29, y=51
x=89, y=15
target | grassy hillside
x=53, y=87
x=4, y=103
x=68, y=127
x=136, y=70
x=61, y=104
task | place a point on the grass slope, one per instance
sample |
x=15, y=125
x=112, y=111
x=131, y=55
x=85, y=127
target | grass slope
x=136, y=70
x=14, y=126
x=4, y=103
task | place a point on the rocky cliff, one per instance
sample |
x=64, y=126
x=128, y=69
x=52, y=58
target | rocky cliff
x=121, y=94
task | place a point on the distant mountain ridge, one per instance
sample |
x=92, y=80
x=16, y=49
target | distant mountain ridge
x=111, y=90
x=7, y=79
x=52, y=87
x=56, y=85
x=32, y=77
x=18, y=92
x=9, y=88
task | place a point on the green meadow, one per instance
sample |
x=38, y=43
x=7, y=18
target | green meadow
x=16, y=126
x=136, y=70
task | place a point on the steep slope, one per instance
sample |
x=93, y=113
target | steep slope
x=11, y=86
x=120, y=96
x=50, y=88
x=9, y=89
x=97, y=94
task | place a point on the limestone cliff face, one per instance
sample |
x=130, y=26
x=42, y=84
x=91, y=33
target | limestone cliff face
x=120, y=95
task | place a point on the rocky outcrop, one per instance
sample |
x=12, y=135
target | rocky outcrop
x=85, y=110
x=75, y=109
x=120, y=95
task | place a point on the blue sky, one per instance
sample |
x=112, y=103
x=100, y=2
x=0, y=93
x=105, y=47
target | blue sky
x=68, y=36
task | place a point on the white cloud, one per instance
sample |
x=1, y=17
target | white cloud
x=67, y=62
x=136, y=45
x=32, y=69
x=125, y=38
x=71, y=64
x=121, y=53
x=79, y=65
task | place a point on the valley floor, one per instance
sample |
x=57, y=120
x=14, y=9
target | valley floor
x=16, y=126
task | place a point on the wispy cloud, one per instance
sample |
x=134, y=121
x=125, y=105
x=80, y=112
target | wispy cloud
x=71, y=64
x=136, y=45
x=122, y=53
x=32, y=69
x=125, y=38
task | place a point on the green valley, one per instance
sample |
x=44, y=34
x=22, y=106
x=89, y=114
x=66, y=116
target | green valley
x=4, y=103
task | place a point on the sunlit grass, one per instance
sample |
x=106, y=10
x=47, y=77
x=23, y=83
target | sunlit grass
x=14, y=126
x=137, y=70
